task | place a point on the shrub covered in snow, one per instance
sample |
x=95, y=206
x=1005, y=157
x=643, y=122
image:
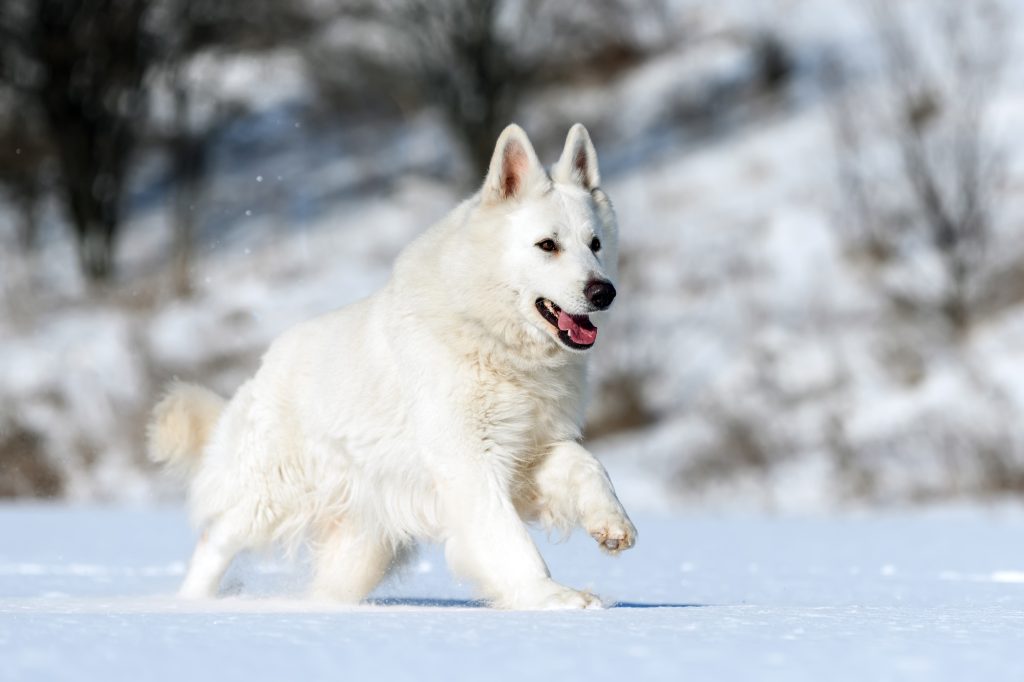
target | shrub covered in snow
x=755, y=357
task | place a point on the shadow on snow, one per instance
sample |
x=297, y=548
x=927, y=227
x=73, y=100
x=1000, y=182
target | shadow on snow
x=478, y=604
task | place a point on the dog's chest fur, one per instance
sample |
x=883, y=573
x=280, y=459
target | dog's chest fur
x=520, y=413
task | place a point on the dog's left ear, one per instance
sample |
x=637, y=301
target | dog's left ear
x=578, y=163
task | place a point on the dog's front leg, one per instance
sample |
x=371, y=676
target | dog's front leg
x=573, y=488
x=487, y=542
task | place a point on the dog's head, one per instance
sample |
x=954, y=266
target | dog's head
x=559, y=237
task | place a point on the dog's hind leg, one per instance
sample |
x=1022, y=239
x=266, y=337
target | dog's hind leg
x=211, y=558
x=349, y=562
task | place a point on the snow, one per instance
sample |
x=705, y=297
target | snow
x=741, y=307
x=86, y=593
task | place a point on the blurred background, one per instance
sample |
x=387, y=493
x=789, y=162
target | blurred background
x=822, y=288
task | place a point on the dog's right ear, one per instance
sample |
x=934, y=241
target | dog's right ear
x=514, y=167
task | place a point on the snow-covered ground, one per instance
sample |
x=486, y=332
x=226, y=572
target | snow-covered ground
x=86, y=593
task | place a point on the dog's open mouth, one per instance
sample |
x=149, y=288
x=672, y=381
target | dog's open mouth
x=575, y=331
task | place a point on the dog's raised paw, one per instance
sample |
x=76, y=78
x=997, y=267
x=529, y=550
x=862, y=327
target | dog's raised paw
x=614, y=535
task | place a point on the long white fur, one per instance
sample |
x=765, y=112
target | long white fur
x=181, y=425
x=441, y=408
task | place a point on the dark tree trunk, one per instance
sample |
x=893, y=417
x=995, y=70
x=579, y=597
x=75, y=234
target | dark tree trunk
x=93, y=55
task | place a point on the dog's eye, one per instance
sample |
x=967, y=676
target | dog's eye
x=548, y=245
x=595, y=244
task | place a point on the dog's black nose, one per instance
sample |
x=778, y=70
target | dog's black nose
x=600, y=294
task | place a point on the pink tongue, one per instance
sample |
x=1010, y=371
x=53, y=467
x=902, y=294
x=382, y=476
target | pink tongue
x=580, y=329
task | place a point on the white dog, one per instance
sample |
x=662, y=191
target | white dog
x=445, y=407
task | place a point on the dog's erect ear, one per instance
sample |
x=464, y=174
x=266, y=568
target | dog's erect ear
x=578, y=163
x=514, y=167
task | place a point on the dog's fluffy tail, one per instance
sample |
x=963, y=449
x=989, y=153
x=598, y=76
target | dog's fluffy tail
x=181, y=424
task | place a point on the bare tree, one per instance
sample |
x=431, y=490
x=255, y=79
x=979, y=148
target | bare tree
x=474, y=59
x=80, y=64
x=187, y=28
x=26, y=177
x=24, y=161
x=934, y=103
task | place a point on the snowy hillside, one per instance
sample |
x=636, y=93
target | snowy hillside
x=85, y=593
x=756, y=359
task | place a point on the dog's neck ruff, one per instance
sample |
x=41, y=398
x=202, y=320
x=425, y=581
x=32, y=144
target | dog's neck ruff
x=510, y=342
